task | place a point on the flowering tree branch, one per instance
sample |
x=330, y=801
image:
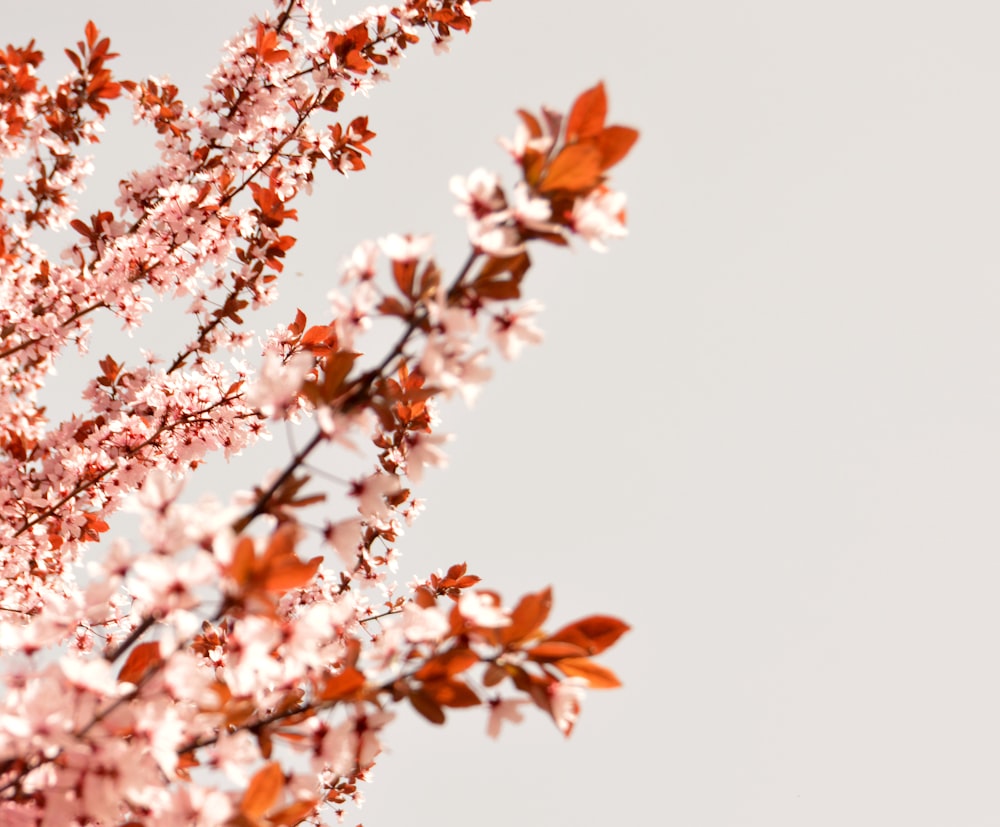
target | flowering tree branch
x=236, y=667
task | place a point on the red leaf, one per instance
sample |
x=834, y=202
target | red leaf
x=403, y=272
x=576, y=169
x=553, y=650
x=294, y=813
x=594, y=634
x=451, y=693
x=263, y=791
x=241, y=566
x=427, y=706
x=530, y=123
x=343, y=685
x=291, y=573
x=140, y=660
x=597, y=676
x=615, y=143
x=586, y=118
x=528, y=616
x=450, y=663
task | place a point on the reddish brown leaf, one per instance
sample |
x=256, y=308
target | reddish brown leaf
x=242, y=563
x=550, y=650
x=615, y=143
x=586, y=118
x=263, y=791
x=448, y=664
x=290, y=573
x=593, y=634
x=345, y=684
x=318, y=335
x=528, y=616
x=597, y=676
x=498, y=290
x=451, y=693
x=294, y=813
x=531, y=123
x=427, y=706
x=576, y=169
x=185, y=761
x=335, y=371
x=493, y=675
x=403, y=272
x=140, y=660
x=391, y=306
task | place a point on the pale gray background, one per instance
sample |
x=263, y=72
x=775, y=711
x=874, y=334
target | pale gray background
x=763, y=429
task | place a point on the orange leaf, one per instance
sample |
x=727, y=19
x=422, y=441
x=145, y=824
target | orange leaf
x=493, y=675
x=291, y=573
x=403, y=272
x=450, y=663
x=614, y=143
x=427, y=706
x=241, y=566
x=451, y=693
x=185, y=762
x=577, y=169
x=587, y=116
x=335, y=371
x=530, y=123
x=549, y=650
x=342, y=685
x=263, y=791
x=140, y=660
x=594, y=634
x=294, y=813
x=318, y=335
x=597, y=676
x=529, y=615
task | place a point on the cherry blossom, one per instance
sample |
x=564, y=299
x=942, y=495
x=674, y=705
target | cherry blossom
x=240, y=658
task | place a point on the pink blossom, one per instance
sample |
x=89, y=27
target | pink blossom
x=361, y=264
x=512, y=329
x=504, y=709
x=600, y=216
x=423, y=450
x=236, y=754
x=405, y=247
x=479, y=194
x=424, y=625
x=371, y=493
x=565, y=698
x=278, y=383
x=483, y=609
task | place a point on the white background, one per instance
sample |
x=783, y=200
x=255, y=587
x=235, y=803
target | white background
x=763, y=429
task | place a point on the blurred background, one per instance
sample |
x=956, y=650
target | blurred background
x=763, y=429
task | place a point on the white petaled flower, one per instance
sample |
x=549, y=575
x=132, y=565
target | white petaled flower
x=483, y=609
x=423, y=450
x=504, y=709
x=479, y=194
x=600, y=216
x=511, y=330
x=531, y=213
x=495, y=238
x=424, y=625
x=405, y=247
x=565, y=698
x=278, y=382
x=371, y=493
x=361, y=264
